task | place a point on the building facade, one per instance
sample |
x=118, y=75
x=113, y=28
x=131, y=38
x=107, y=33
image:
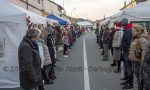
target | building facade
x=35, y=6
x=40, y=7
x=50, y=7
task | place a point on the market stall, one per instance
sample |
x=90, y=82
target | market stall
x=13, y=26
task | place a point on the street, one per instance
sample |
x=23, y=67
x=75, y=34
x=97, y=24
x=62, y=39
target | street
x=70, y=73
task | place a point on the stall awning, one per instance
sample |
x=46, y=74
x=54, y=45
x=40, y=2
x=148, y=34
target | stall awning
x=60, y=20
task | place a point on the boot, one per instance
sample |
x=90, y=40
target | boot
x=52, y=76
x=124, y=83
x=49, y=81
x=128, y=86
x=41, y=87
x=114, y=63
x=124, y=78
x=103, y=52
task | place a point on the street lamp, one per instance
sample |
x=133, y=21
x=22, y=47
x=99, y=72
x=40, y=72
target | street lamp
x=72, y=11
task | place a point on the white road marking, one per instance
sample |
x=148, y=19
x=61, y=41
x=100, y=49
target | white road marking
x=86, y=73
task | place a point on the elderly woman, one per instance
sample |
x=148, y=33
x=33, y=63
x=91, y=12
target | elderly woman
x=136, y=53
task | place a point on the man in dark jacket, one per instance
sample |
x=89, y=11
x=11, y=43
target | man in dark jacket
x=125, y=45
x=105, y=43
x=52, y=51
x=29, y=61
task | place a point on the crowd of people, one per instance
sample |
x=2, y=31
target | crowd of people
x=129, y=43
x=37, y=54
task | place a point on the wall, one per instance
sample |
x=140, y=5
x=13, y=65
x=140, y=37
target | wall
x=32, y=5
x=51, y=7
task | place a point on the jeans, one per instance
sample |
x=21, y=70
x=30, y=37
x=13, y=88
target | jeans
x=128, y=72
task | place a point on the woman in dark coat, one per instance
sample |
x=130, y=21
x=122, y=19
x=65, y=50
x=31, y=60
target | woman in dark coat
x=29, y=61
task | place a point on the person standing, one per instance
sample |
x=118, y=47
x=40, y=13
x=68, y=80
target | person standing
x=29, y=61
x=110, y=42
x=51, y=47
x=105, y=43
x=136, y=54
x=100, y=39
x=116, y=46
x=146, y=65
x=65, y=43
x=125, y=45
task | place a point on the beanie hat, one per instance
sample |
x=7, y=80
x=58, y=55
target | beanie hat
x=124, y=21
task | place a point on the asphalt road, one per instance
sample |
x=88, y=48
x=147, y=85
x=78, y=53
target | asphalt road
x=71, y=71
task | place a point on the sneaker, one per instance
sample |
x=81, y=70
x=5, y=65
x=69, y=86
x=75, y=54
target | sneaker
x=128, y=86
x=65, y=56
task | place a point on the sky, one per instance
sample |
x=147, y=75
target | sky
x=91, y=9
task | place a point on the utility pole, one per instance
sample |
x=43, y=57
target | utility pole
x=64, y=4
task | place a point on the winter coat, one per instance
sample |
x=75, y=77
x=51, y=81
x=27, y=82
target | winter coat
x=110, y=39
x=127, y=37
x=117, y=39
x=47, y=60
x=105, y=37
x=51, y=43
x=65, y=40
x=146, y=67
x=58, y=37
x=138, y=43
x=29, y=64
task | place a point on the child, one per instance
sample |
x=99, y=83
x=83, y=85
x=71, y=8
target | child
x=65, y=43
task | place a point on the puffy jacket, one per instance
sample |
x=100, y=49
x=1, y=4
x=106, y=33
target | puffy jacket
x=139, y=42
x=29, y=64
x=117, y=39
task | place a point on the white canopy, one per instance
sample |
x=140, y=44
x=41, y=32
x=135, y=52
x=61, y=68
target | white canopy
x=34, y=17
x=13, y=27
x=140, y=12
x=85, y=23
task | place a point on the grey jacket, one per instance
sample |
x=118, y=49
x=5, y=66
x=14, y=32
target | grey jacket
x=29, y=64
